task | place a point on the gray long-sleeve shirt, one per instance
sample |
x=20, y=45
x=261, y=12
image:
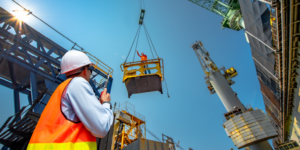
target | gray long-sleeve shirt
x=79, y=103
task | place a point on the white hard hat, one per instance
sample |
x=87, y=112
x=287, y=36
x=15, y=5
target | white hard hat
x=72, y=60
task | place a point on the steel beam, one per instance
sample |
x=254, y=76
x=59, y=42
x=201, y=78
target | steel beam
x=24, y=80
x=28, y=46
x=27, y=66
x=9, y=85
x=12, y=74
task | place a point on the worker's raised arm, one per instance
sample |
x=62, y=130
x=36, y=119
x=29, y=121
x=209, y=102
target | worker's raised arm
x=96, y=117
x=138, y=53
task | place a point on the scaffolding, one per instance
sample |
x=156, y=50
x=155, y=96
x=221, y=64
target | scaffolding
x=132, y=129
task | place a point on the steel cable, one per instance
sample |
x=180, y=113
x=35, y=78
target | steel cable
x=132, y=44
x=137, y=41
x=167, y=87
x=150, y=40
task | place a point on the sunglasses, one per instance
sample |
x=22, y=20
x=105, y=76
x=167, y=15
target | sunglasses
x=89, y=68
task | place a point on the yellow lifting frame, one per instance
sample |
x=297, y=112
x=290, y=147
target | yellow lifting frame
x=128, y=73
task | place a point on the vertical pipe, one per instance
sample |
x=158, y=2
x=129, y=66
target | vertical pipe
x=122, y=140
x=17, y=103
x=283, y=65
x=33, y=86
x=29, y=100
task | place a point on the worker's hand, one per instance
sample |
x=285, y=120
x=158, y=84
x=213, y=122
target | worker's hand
x=105, y=97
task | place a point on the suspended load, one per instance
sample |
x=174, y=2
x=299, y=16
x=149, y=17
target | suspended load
x=137, y=81
x=145, y=75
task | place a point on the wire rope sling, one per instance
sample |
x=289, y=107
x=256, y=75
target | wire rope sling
x=146, y=75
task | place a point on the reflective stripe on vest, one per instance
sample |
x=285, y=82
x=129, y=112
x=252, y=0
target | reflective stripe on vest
x=55, y=132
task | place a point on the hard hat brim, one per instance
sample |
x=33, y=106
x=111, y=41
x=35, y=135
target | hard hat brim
x=76, y=68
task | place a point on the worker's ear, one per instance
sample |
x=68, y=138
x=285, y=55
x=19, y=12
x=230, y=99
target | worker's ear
x=84, y=71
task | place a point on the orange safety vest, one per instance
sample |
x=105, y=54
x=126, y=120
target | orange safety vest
x=55, y=132
x=144, y=57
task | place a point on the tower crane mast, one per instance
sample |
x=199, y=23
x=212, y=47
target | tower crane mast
x=245, y=126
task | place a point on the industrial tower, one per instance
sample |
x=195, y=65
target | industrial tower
x=229, y=9
x=245, y=126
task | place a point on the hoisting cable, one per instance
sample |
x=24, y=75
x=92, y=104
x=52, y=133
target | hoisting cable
x=148, y=42
x=150, y=39
x=137, y=41
x=132, y=43
x=148, y=35
x=142, y=2
x=167, y=87
x=46, y=23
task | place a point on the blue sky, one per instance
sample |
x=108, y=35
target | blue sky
x=106, y=29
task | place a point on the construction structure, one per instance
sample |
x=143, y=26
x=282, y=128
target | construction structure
x=272, y=30
x=245, y=126
x=30, y=64
x=130, y=131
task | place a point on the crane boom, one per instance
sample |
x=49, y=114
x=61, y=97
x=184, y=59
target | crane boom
x=239, y=118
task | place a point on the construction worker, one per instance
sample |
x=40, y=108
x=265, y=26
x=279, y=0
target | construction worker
x=73, y=117
x=144, y=59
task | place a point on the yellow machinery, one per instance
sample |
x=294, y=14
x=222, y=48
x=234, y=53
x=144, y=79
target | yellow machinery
x=230, y=73
x=137, y=81
x=133, y=125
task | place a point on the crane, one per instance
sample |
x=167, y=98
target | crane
x=229, y=9
x=245, y=126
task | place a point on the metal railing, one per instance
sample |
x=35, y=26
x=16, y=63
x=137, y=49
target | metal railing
x=129, y=108
x=98, y=64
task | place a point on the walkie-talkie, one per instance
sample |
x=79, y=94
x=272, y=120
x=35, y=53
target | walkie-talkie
x=105, y=86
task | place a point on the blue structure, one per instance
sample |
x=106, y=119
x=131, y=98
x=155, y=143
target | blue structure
x=30, y=64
